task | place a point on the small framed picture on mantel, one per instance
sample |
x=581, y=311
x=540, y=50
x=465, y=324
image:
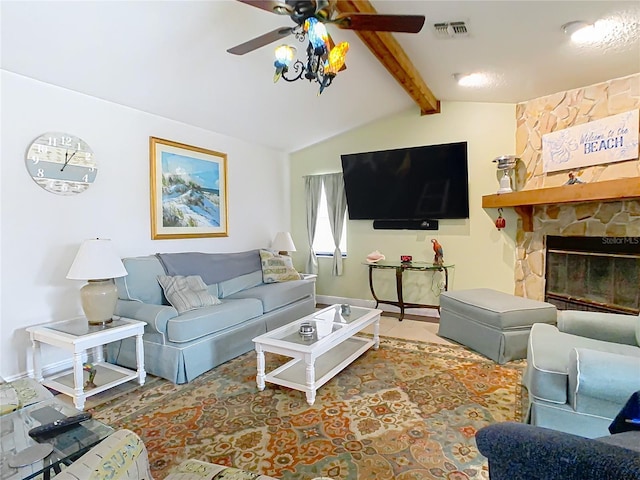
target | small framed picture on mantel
x=188, y=191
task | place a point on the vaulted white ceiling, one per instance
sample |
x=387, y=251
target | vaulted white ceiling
x=169, y=58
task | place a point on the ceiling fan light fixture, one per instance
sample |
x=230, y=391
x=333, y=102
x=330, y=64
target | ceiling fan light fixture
x=336, y=59
x=317, y=33
x=333, y=64
x=322, y=63
x=284, y=57
x=309, y=17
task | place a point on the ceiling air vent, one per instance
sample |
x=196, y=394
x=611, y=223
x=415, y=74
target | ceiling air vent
x=450, y=29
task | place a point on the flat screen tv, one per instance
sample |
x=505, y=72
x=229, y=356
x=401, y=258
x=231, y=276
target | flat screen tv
x=417, y=183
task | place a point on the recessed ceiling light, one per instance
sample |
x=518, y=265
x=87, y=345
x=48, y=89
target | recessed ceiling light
x=581, y=32
x=471, y=79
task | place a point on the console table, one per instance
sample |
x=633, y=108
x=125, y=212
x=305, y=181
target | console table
x=400, y=267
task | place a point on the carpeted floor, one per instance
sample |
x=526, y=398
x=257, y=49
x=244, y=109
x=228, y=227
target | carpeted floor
x=409, y=410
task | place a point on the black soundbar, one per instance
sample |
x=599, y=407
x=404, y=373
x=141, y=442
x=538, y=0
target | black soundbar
x=405, y=224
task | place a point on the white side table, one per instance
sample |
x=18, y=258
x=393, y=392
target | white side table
x=77, y=336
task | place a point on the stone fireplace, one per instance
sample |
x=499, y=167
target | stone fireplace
x=594, y=219
x=563, y=214
x=599, y=274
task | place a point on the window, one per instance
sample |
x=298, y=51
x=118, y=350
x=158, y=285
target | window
x=323, y=241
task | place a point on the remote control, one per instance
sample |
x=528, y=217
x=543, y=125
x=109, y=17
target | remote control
x=53, y=428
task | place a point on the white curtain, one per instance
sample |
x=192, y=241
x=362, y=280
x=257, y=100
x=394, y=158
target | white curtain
x=312, y=188
x=337, y=206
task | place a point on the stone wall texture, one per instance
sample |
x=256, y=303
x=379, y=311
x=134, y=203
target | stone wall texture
x=557, y=112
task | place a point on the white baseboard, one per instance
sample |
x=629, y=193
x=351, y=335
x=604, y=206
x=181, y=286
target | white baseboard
x=358, y=302
x=49, y=369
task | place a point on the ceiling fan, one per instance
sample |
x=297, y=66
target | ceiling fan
x=324, y=11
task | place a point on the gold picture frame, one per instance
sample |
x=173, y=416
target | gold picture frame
x=188, y=191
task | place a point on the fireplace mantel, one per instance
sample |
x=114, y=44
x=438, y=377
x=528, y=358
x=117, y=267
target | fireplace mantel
x=524, y=201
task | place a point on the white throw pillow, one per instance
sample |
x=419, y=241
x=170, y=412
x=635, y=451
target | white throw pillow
x=186, y=293
x=277, y=268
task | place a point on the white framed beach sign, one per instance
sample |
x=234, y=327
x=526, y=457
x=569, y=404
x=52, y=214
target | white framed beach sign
x=611, y=139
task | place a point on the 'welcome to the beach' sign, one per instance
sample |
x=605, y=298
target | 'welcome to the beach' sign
x=612, y=139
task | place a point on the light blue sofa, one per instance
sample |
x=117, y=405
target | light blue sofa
x=180, y=347
x=580, y=374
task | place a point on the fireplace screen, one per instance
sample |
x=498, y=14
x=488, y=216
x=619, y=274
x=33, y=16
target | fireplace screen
x=593, y=273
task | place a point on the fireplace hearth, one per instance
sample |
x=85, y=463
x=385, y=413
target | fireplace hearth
x=593, y=273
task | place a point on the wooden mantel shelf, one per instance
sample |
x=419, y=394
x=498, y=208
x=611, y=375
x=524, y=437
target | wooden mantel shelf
x=524, y=201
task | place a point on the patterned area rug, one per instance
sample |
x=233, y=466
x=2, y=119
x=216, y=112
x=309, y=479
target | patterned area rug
x=409, y=410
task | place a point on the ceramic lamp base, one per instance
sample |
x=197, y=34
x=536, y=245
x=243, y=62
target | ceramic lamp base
x=99, y=299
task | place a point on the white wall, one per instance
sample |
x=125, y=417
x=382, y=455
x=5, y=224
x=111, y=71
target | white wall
x=41, y=232
x=483, y=256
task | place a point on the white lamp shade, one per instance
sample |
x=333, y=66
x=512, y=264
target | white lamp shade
x=283, y=242
x=96, y=259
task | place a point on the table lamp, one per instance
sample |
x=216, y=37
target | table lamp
x=283, y=243
x=98, y=263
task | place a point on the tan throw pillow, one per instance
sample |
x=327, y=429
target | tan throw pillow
x=277, y=268
x=186, y=293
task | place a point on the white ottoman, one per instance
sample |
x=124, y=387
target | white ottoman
x=492, y=323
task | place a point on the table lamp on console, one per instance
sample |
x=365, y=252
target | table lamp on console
x=283, y=243
x=98, y=263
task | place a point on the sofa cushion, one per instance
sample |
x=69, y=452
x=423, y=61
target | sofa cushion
x=242, y=282
x=141, y=283
x=277, y=268
x=203, y=321
x=548, y=360
x=276, y=295
x=186, y=293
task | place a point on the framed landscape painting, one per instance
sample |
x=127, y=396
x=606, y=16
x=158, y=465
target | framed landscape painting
x=188, y=191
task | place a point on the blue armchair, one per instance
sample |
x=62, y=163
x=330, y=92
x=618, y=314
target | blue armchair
x=580, y=373
x=518, y=451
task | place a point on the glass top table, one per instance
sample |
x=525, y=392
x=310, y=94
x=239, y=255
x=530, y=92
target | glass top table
x=67, y=446
x=399, y=268
x=325, y=322
x=318, y=357
x=80, y=339
x=79, y=326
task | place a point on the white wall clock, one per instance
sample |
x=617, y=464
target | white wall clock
x=61, y=163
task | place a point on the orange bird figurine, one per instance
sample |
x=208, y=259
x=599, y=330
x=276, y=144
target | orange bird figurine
x=437, y=249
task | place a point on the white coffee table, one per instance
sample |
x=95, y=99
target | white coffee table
x=77, y=336
x=320, y=357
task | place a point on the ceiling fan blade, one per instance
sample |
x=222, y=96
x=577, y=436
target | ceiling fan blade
x=272, y=6
x=380, y=22
x=261, y=41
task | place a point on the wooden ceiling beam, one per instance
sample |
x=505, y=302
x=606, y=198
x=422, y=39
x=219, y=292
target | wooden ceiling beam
x=392, y=56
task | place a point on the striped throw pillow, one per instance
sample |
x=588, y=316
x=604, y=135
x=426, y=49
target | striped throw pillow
x=186, y=293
